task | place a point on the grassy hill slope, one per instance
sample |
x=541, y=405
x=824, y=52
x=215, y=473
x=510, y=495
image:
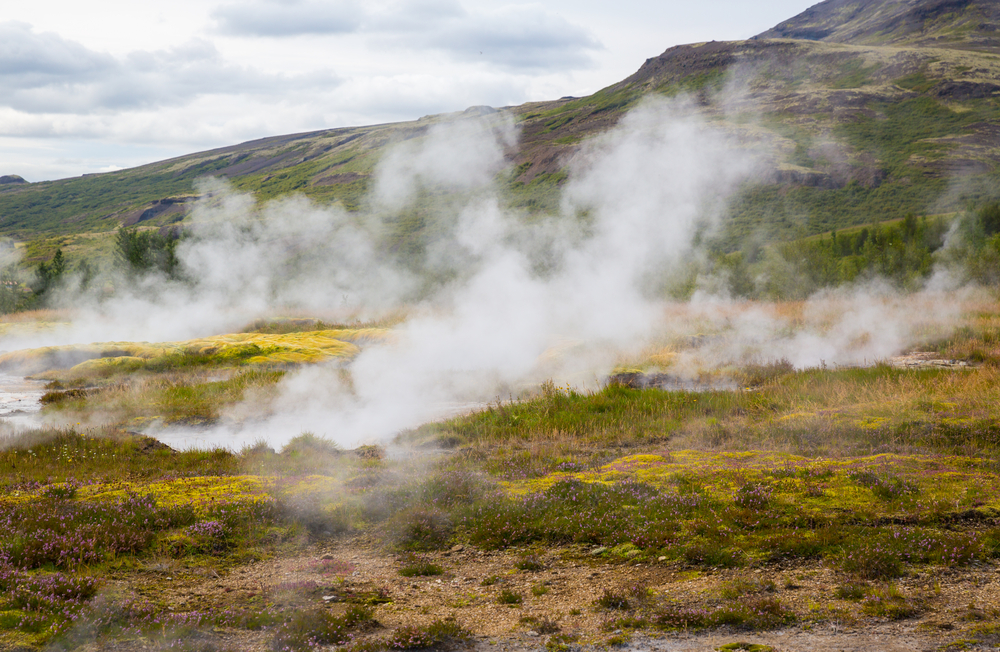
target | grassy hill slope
x=860, y=132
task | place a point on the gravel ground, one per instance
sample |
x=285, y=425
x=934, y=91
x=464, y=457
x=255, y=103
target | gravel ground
x=565, y=590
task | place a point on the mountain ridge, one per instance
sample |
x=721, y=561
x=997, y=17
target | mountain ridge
x=962, y=24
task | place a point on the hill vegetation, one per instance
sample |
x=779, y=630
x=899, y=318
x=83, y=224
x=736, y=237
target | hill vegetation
x=871, y=111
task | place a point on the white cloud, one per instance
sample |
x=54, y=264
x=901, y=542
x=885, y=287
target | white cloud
x=517, y=37
x=44, y=73
x=287, y=18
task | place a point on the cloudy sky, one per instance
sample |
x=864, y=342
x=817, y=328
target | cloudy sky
x=100, y=85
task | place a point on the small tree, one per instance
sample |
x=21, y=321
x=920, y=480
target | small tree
x=138, y=253
x=86, y=272
x=49, y=275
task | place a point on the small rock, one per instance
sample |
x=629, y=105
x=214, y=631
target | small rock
x=599, y=551
x=328, y=598
x=531, y=632
x=327, y=557
x=633, y=553
x=662, y=558
x=458, y=547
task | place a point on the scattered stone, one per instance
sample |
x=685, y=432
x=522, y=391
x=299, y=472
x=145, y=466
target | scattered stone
x=531, y=632
x=661, y=558
x=329, y=598
x=327, y=557
x=599, y=551
x=633, y=553
x=457, y=548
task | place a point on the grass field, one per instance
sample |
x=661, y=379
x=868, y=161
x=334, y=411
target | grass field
x=856, y=497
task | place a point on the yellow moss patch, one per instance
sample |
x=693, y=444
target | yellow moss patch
x=945, y=482
x=201, y=491
x=796, y=415
x=872, y=423
x=64, y=362
x=100, y=364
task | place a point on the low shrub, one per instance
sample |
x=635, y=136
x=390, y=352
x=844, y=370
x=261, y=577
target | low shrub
x=612, y=600
x=510, y=597
x=316, y=628
x=885, y=485
x=872, y=560
x=530, y=563
x=410, y=637
x=756, y=613
x=419, y=567
x=852, y=590
x=708, y=552
x=742, y=586
x=543, y=625
x=753, y=496
x=422, y=528
x=889, y=602
x=67, y=533
x=625, y=622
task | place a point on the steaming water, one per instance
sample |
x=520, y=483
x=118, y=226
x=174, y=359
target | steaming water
x=20, y=397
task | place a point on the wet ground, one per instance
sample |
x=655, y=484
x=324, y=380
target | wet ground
x=20, y=397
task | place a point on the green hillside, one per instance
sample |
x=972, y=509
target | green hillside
x=881, y=118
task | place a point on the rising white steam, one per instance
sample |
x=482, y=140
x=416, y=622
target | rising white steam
x=516, y=291
x=494, y=300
